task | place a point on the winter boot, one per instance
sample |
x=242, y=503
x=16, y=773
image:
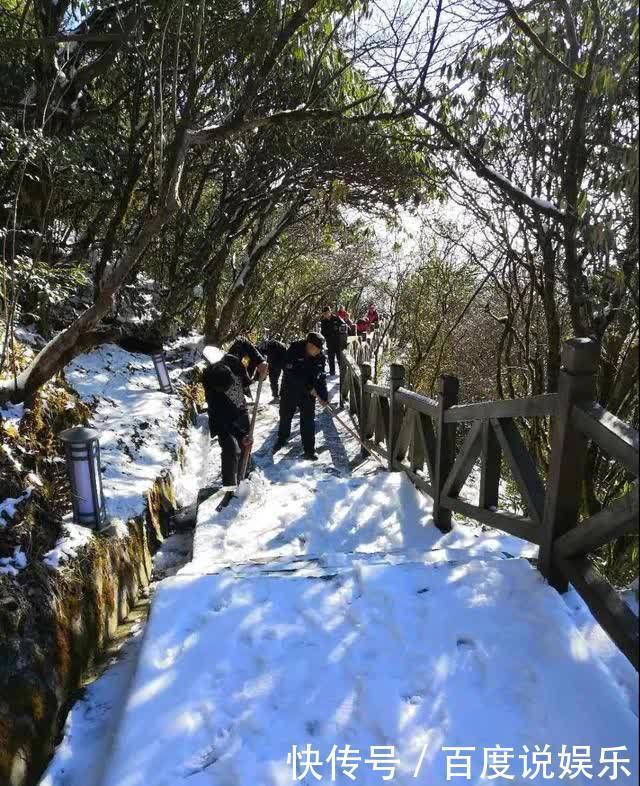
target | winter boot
x=279, y=445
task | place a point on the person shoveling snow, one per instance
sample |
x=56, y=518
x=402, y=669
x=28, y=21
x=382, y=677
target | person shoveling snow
x=224, y=383
x=304, y=380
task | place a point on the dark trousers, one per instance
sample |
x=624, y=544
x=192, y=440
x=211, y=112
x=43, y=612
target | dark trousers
x=291, y=399
x=231, y=453
x=274, y=379
x=333, y=352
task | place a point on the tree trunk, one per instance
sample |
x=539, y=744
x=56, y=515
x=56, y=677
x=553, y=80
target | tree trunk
x=134, y=172
x=51, y=359
x=63, y=347
x=258, y=248
x=221, y=330
x=554, y=339
x=212, y=288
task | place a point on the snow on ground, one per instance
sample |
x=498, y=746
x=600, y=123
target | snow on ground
x=599, y=642
x=11, y=414
x=130, y=384
x=323, y=609
x=188, y=475
x=138, y=432
x=290, y=507
x=91, y=723
x=9, y=506
x=235, y=672
x=74, y=538
x=15, y=563
x=137, y=423
x=28, y=334
x=15, y=463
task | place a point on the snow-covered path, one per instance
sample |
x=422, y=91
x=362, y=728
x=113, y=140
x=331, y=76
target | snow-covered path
x=291, y=507
x=323, y=609
x=234, y=672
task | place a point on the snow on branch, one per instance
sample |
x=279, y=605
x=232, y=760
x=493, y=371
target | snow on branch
x=484, y=171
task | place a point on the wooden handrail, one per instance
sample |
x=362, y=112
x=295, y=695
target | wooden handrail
x=534, y=406
x=421, y=438
x=519, y=526
x=351, y=362
x=377, y=390
x=610, y=433
x=417, y=402
x=616, y=519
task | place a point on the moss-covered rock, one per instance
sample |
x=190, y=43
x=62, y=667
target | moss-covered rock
x=54, y=623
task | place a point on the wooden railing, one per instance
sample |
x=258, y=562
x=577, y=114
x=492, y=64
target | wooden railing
x=420, y=436
x=361, y=348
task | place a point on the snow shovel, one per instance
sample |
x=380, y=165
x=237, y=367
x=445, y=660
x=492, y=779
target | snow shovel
x=351, y=431
x=246, y=455
x=244, y=463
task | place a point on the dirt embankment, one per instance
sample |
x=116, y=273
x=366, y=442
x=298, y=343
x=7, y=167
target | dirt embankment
x=53, y=623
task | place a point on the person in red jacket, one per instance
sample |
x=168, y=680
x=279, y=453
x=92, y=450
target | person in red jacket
x=362, y=325
x=372, y=315
x=344, y=315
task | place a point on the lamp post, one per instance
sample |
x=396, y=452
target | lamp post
x=162, y=372
x=82, y=449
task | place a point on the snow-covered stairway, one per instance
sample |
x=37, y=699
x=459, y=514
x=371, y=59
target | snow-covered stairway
x=322, y=609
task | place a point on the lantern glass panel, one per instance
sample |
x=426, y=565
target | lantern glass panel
x=82, y=486
x=162, y=372
x=83, y=465
x=85, y=471
x=164, y=377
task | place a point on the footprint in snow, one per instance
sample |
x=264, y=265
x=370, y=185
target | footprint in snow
x=219, y=605
x=415, y=698
x=211, y=754
x=470, y=659
x=313, y=727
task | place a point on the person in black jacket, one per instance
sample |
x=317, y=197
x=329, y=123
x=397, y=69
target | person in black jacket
x=275, y=352
x=330, y=328
x=303, y=380
x=224, y=384
x=252, y=359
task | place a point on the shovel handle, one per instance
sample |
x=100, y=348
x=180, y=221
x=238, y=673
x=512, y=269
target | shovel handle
x=246, y=455
x=351, y=431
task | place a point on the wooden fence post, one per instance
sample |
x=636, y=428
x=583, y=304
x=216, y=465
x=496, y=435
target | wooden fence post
x=445, y=449
x=577, y=383
x=344, y=343
x=365, y=376
x=396, y=380
x=490, y=473
x=344, y=337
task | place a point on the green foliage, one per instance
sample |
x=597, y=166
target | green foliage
x=46, y=285
x=429, y=303
x=315, y=265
